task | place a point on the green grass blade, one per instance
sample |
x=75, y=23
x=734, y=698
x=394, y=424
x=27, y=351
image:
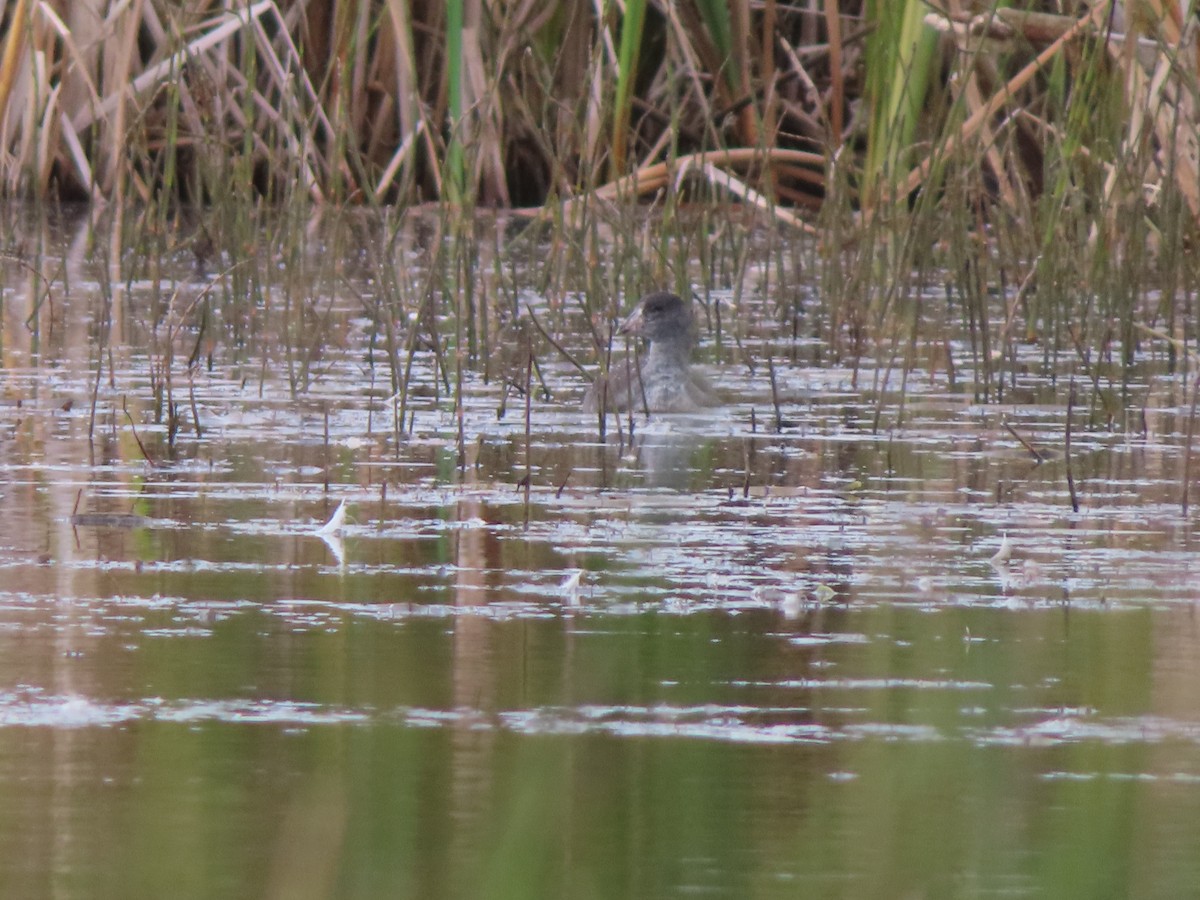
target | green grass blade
x=632, y=26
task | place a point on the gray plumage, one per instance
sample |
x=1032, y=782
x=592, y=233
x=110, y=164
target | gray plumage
x=662, y=379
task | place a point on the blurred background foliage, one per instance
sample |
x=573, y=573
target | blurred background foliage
x=516, y=103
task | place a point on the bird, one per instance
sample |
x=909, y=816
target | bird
x=662, y=380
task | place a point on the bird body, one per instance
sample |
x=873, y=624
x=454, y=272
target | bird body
x=661, y=381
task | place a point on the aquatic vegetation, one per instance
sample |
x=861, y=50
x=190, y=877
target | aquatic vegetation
x=934, y=551
x=952, y=188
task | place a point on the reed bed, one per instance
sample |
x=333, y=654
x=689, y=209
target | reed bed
x=525, y=104
x=1036, y=169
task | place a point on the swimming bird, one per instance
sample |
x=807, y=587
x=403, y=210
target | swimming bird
x=662, y=380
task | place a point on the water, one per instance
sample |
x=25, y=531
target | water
x=721, y=662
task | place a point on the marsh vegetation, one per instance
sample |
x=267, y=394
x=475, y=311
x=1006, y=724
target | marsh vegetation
x=1039, y=168
x=911, y=612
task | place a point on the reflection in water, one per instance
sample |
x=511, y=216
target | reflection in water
x=717, y=659
x=667, y=447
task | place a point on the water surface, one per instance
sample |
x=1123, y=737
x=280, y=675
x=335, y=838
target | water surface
x=721, y=659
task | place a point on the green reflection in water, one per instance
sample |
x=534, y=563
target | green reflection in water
x=576, y=759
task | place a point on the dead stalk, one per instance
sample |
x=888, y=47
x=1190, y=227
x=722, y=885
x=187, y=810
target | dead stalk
x=136, y=437
x=1070, y=473
x=528, y=479
x=1185, y=488
x=1037, y=455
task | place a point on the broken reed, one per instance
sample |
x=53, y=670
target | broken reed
x=390, y=102
x=375, y=102
x=437, y=285
x=923, y=251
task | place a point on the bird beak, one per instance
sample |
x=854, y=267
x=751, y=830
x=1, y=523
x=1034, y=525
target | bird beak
x=633, y=324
